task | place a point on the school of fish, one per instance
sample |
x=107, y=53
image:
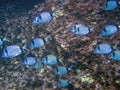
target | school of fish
x=13, y=51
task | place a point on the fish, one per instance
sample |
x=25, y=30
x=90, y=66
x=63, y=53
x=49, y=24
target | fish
x=103, y=49
x=73, y=67
x=2, y=40
x=118, y=46
x=30, y=61
x=81, y=30
x=111, y=5
x=50, y=60
x=63, y=83
x=109, y=30
x=62, y=1
x=61, y=70
x=115, y=55
x=38, y=65
x=11, y=51
x=43, y=18
x=37, y=43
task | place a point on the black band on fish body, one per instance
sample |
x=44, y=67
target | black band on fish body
x=106, y=4
x=74, y=28
x=40, y=17
x=112, y=49
x=113, y=54
x=2, y=39
x=44, y=40
x=51, y=16
x=89, y=29
x=104, y=30
x=57, y=70
x=35, y=61
x=78, y=29
x=42, y=63
x=46, y=58
x=6, y=51
x=98, y=48
x=32, y=42
x=26, y=60
x=67, y=70
x=57, y=60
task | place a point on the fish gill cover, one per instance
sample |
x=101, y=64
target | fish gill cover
x=75, y=65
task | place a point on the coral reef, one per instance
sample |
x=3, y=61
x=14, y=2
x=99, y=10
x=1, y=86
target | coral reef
x=88, y=71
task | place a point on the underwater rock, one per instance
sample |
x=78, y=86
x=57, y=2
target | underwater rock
x=37, y=43
x=50, y=60
x=44, y=17
x=111, y=5
x=11, y=51
x=103, y=49
x=61, y=70
x=109, y=30
x=80, y=29
x=63, y=83
x=115, y=55
x=29, y=61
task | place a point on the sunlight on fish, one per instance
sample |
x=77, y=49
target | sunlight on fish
x=38, y=65
x=43, y=18
x=50, y=60
x=103, y=49
x=111, y=5
x=11, y=51
x=63, y=83
x=37, y=43
x=61, y=70
x=81, y=30
x=30, y=61
x=109, y=30
x=115, y=55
